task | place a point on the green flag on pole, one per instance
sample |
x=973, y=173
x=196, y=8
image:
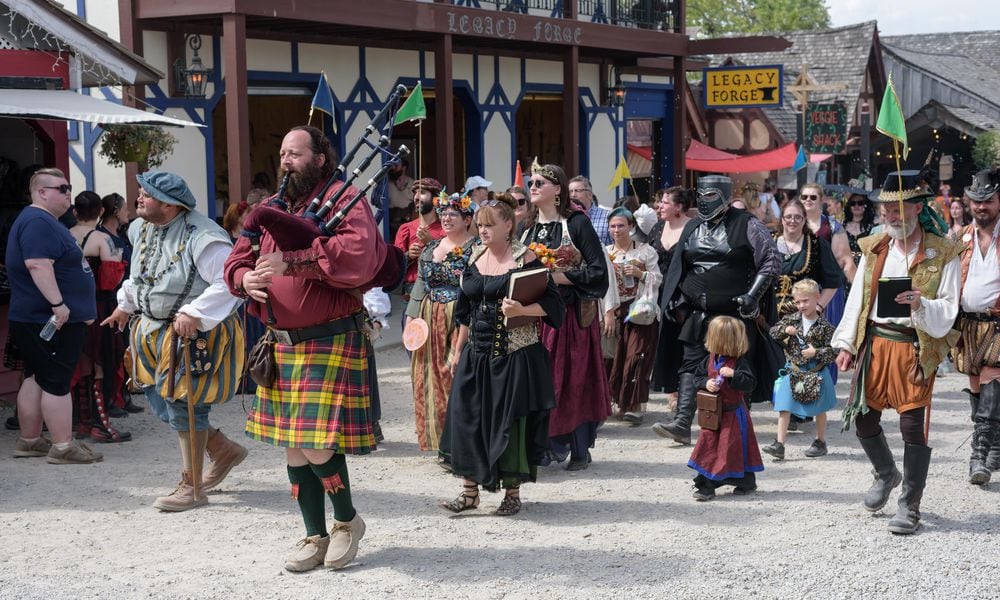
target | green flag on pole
x=413, y=109
x=890, y=118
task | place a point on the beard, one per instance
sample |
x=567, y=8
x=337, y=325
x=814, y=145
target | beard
x=426, y=208
x=302, y=183
x=898, y=233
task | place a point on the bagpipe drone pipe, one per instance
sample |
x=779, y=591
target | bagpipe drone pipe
x=297, y=232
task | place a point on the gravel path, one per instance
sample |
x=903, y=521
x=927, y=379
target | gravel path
x=625, y=528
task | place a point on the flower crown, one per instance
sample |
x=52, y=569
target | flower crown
x=462, y=204
x=545, y=171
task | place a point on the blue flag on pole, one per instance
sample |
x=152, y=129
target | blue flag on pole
x=800, y=159
x=323, y=99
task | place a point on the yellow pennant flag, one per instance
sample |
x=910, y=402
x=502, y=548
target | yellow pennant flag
x=621, y=173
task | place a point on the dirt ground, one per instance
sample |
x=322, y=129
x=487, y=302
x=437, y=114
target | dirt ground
x=625, y=528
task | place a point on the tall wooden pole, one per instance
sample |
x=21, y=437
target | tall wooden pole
x=234, y=53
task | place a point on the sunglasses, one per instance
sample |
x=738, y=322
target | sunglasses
x=857, y=203
x=809, y=197
x=521, y=201
x=536, y=183
x=63, y=189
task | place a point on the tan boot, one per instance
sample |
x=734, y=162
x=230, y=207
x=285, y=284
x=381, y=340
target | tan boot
x=182, y=498
x=344, y=538
x=224, y=454
x=309, y=554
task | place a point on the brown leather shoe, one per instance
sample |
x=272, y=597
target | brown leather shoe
x=182, y=498
x=224, y=454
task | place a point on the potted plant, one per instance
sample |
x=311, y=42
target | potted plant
x=147, y=145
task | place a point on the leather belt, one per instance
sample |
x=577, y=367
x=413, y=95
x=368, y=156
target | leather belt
x=291, y=337
x=979, y=316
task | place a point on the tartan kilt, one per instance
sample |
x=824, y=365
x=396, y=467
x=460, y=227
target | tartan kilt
x=213, y=383
x=320, y=398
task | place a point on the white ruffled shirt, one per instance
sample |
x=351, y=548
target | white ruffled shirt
x=935, y=316
x=982, y=285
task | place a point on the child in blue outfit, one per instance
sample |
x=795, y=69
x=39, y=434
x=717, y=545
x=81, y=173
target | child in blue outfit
x=806, y=388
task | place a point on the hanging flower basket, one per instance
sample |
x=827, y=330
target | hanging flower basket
x=143, y=144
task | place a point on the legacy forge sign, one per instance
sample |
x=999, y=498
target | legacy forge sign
x=743, y=87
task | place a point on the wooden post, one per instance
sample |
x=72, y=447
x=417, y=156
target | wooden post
x=680, y=120
x=444, y=109
x=234, y=53
x=571, y=111
x=131, y=38
x=571, y=9
x=176, y=48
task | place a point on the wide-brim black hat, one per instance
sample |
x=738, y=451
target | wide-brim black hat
x=984, y=185
x=910, y=191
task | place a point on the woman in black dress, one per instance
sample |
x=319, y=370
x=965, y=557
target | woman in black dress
x=859, y=220
x=671, y=207
x=496, y=430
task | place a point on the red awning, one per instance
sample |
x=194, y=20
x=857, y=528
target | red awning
x=700, y=157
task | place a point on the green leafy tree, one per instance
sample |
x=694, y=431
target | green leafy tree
x=716, y=17
x=986, y=150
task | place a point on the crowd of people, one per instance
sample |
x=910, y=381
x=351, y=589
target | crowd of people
x=534, y=315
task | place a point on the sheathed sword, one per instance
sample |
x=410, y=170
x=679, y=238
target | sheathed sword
x=173, y=346
x=188, y=383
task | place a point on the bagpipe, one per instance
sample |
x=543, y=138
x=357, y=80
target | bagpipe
x=296, y=232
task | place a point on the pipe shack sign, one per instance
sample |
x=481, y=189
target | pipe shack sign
x=743, y=87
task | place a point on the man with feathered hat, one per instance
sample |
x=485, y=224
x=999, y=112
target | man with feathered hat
x=895, y=358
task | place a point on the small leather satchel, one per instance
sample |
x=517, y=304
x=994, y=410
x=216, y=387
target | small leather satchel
x=260, y=362
x=709, y=410
x=586, y=312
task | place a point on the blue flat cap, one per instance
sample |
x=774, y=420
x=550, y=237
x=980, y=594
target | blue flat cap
x=167, y=187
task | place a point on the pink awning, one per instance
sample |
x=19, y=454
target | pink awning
x=700, y=157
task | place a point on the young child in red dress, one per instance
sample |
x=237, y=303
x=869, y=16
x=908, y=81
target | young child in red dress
x=728, y=456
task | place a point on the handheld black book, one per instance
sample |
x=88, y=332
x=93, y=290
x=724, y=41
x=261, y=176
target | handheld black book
x=888, y=289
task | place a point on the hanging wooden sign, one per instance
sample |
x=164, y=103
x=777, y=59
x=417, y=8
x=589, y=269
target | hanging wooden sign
x=743, y=87
x=826, y=127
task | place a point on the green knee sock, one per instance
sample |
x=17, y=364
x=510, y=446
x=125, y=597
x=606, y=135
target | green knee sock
x=333, y=475
x=308, y=490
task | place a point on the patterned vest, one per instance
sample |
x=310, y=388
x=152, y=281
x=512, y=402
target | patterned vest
x=934, y=253
x=163, y=269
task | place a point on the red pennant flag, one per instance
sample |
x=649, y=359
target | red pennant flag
x=519, y=176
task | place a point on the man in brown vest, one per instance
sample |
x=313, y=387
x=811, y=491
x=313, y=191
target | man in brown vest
x=896, y=357
x=978, y=350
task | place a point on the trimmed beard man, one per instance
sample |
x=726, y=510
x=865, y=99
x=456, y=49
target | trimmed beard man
x=896, y=358
x=978, y=351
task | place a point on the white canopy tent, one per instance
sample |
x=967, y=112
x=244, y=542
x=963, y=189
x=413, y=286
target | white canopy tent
x=63, y=105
